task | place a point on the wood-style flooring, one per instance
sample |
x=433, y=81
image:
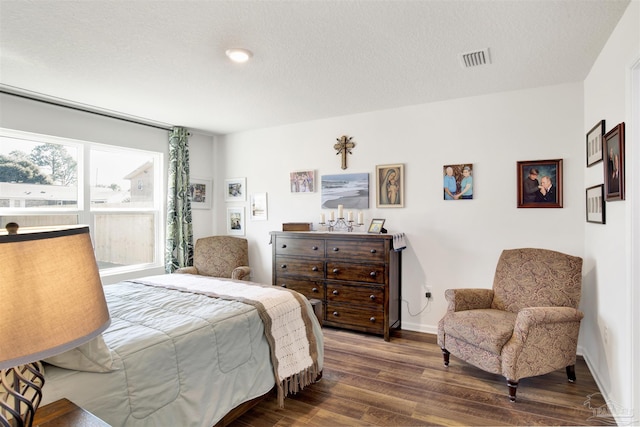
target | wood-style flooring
x=367, y=381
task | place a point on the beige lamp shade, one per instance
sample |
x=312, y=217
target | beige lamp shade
x=51, y=296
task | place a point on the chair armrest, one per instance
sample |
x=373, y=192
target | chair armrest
x=241, y=273
x=544, y=339
x=530, y=317
x=187, y=270
x=468, y=299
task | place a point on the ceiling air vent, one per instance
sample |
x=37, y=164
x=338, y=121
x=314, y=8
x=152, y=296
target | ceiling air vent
x=475, y=59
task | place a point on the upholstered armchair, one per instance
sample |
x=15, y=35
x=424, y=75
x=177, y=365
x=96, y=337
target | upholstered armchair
x=526, y=325
x=220, y=256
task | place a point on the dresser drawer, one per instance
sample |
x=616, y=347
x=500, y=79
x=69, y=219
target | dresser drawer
x=359, y=296
x=310, y=268
x=299, y=247
x=362, y=317
x=370, y=273
x=356, y=250
x=309, y=288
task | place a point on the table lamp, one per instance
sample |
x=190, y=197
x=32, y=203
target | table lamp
x=51, y=300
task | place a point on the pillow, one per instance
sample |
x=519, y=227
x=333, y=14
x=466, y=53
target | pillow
x=92, y=356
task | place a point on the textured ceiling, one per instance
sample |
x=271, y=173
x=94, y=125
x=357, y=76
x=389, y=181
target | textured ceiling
x=164, y=60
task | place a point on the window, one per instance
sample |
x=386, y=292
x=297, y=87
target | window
x=45, y=181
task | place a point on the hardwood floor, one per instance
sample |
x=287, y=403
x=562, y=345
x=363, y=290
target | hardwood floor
x=368, y=381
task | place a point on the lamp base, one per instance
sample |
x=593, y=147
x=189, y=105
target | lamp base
x=20, y=394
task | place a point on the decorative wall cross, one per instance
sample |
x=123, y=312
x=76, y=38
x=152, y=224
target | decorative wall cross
x=344, y=147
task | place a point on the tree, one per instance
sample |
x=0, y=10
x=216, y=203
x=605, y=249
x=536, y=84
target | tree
x=18, y=168
x=55, y=157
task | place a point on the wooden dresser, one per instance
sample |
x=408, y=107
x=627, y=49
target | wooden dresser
x=355, y=275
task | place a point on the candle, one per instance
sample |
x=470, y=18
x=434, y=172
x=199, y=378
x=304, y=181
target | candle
x=340, y=211
x=332, y=217
x=350, y=216
x=360, y=218
x=321, y=218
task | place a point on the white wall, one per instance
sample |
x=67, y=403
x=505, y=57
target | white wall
x=451, y=244
x=608, y=292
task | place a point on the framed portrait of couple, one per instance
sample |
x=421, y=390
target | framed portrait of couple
x=540, y=184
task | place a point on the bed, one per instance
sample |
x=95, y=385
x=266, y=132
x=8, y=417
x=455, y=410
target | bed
x=187, y=350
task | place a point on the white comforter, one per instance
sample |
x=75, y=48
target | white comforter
x=182, y=359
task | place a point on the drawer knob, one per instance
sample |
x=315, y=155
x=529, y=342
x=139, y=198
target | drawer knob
x=283, y=266
x=373, y=251
x=315, y=248
x=372, y=320
x=284, y=285
x=373, y=274
x=335, y=270
x=335, y=313
x=314, y=289
x=372, y=297
x=335, y=292
x=335, y=249
x=283, y=246
x=314, y=268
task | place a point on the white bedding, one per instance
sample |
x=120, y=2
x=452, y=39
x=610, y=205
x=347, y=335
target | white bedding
x=181, y=359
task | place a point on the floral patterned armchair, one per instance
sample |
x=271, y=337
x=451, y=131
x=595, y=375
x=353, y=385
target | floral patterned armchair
x=527, y=325
x=220, y=256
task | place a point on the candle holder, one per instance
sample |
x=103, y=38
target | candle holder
x=341, y=224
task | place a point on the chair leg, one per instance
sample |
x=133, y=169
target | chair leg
x=513, y=387
x=571, y=373
x=445, y=356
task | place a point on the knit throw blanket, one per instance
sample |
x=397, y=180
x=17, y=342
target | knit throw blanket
x=287, y=326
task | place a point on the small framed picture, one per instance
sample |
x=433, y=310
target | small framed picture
x=259, y=206
x=390, y=186
x=235, y=189
x=235, y=221
x=376, y=226
x=594, y=144
x=200, y=191
x=302, y=181
x=613, y=144
x=540, y=184
x=595, y=204
x=458, y=181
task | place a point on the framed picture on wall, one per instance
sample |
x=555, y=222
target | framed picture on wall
x=235, y=189
x=302, y=181
x=595, y=204
x=458, y=181
x=390, y=186
x=614, y=163
x=201, y=192
x=539, y=184
x=351, y=190
x=259, y=206
x=594, y=144
x=235, y=221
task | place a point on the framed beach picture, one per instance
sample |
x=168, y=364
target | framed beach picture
x=235, y=221
x=200, y=191
x=235, y=189
x=302, y=181
x=259, y=206
x=390, y=186
x=458, y=181
x=594, y=144
x=595, y=204
x=539, y=184
x=349, y=190
x=613, y=144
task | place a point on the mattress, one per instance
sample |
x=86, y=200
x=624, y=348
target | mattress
x=179, y=358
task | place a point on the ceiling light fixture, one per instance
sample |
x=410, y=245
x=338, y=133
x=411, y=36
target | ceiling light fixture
x=239, y=54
